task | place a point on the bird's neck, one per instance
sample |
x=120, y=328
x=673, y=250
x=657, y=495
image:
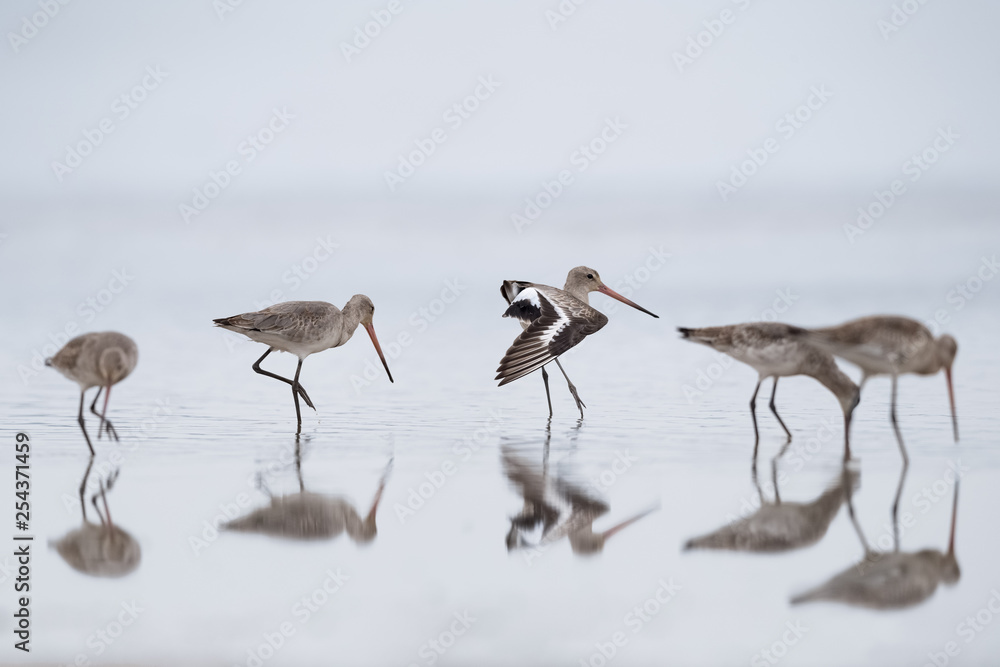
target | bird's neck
x=577, y=292
x=351, y=318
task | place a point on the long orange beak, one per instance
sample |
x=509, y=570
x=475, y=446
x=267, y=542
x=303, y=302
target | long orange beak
x=604, y=289
x=378, y=348
x=627, y=522
x=107, y=395
x=951, y=399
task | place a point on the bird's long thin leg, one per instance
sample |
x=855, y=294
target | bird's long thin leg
x=295, y=393
x=895, y=423
x=298, y=463
x=774, y=391
x=849, y=493
x=106, y=424
x=298, y=388
x=580, y=405
x=774, y=469
x=753, y=416
x=895, y=505
x=83, y=426
x=83, y=488
x=545, y=379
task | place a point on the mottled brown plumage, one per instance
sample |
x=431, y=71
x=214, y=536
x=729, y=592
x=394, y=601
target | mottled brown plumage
x=779, y=526
x=304, y=328
x=891, y=345
x=777, y=350
x=894, y=580
x=98, y=359
x=554, y=320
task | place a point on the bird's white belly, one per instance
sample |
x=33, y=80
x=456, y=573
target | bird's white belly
x=778, y=359
x=301, y=349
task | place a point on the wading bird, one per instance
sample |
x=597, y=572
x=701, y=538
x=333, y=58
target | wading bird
x=893, y=580
x=780, y=526
x=98, y=359
x=304, y=328
x=554, y=320
x=311, y=516
x=560, y=507
x=103, y=550
x=887, y=345
x=778, y=350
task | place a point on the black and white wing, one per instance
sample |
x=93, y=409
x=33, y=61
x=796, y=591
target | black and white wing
x=556, y=322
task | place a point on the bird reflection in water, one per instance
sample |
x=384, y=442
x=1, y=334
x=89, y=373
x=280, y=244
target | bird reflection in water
x=104, y=549
x=555, y=508
x=311, y=516
x=893, y=580
x=780, y=526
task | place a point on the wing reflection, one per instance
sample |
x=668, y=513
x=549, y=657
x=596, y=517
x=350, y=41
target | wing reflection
x=311, y=516
x=780, y=526
x=102, y=549
x=554, y=508
x=893, y=580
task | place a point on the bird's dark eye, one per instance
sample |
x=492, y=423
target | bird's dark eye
x=590, y=276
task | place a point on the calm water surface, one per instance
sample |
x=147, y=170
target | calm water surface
x=462, y=569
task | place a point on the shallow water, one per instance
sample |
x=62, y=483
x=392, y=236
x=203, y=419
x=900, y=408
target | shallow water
x=202, y=436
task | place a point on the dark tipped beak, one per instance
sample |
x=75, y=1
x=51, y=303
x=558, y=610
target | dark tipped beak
x=627, y=522
x=604, y=289
x=378, y=348
x=951, y=399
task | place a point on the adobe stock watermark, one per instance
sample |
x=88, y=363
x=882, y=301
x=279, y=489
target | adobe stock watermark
x=968, y=630
x=301, y=612
x=899, y=16
x=584, y=156
x=87, y=310
x=454, y=116
x=700, y=42
x=300, y=271
x=924, y=499
x=121, y=108
x=914, y=168
x=786, y=126
x=436, y=478
x=132, y=436
x=104, y=637
x=234, y=508
x=31, y=24
x=419, y=321
x=635, y=620
x=224, y=7
x=708, y=376
x=247, y=151
x=772, y=655
x=632, y=282
x=562, y=12
x=432, y=649
x=365, y=33
x=964, y=293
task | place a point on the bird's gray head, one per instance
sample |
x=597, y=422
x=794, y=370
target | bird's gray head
x=950, y=572
x=113, y=365
x=587, y=543
x=363, y=306
x=582, y=280
x=364, y=531
x=947, y=348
